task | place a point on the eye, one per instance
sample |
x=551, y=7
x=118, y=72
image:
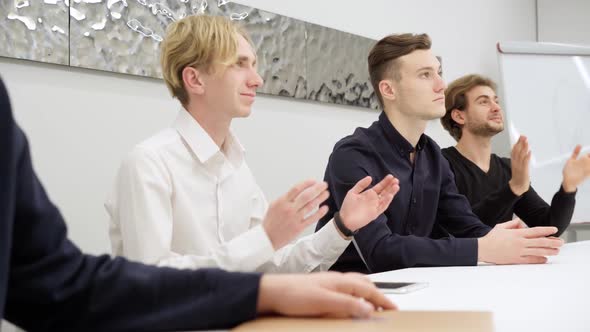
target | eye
x=425, y=74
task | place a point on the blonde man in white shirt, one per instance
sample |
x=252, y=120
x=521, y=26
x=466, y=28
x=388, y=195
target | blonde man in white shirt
x=186, y=198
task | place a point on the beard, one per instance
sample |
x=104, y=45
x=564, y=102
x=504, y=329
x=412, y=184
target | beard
x=485, y=129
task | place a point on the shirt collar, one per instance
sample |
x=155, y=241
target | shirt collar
x=396, y=139
x=202, y=144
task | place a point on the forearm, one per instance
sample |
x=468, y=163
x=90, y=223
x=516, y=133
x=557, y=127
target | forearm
x=562, y=210
x=384, y=251
x=117, y=295
x=247, y=252
x=317, y=251
x=534, y=211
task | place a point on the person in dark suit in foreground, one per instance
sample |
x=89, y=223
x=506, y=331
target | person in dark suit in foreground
x=48, y=284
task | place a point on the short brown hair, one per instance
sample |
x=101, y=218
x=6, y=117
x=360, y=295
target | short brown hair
x=455, y=99
x=382, y=57
x=199, y=41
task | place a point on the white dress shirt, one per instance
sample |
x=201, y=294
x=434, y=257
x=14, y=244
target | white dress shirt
x=180, y=201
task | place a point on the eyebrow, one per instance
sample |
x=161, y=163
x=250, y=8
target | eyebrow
x=246, y=58
x=485, y=96
x=429, y=68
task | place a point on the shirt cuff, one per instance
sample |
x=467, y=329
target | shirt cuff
x=466, y=251
x=562, y=192
x=330, y=242
x=257, y=246
x=510, y=195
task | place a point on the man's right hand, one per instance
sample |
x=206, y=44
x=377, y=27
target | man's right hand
x=508, y=243
x=325, y=294
x=289, y=215
x=519, y=162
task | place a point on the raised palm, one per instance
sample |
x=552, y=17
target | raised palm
x=361, y=206
x=576, y=169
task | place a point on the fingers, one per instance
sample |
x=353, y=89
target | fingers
x=517, y=148
x=536, y=232
x=527, y=159
x=511, y=224
x=385, y=200
x=360, y=276
x=387, y=195
x=309, y=194
x=533, y=260
x=309, y=207
x=522, y=224
x=341, y=305
x=359, y=287
x=392, y=188
x=384, y=184
x=576, y=152
x=319, y=214
x=360, y=186
x=544, y=242
x=298, y=189
x=520, y=151
x=540, y=251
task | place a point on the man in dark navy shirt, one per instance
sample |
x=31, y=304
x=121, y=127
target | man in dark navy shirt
x=428, y=222
x=497, y=188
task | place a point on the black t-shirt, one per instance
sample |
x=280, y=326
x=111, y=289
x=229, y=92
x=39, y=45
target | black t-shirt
x=493, y=201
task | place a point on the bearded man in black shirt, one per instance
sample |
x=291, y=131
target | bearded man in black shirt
x=497, y=188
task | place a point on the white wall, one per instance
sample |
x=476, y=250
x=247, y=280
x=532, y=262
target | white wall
x=464, y=32
x=82, y=122
x=564, y=21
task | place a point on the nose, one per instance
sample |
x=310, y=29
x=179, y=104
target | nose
x=256, y=80
x=440, y=84
x=496, y=106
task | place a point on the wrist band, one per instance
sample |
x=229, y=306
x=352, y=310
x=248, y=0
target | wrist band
x=341, y=227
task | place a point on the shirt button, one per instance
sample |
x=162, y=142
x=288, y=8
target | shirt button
x=413, y=200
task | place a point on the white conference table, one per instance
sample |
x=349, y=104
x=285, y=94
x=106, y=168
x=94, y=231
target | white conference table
x=545, y=297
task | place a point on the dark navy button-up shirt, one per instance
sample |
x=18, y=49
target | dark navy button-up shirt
x=428, y=223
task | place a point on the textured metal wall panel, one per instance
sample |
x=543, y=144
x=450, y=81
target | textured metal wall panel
x=280, y=48
x=34, y=30
x=337, y=67
x=118, y=35
x=295, y=58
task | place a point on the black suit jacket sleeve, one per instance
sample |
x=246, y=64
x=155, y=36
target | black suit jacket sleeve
x=47, y=284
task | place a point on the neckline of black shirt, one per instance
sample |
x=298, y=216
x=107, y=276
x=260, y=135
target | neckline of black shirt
x=402, y=145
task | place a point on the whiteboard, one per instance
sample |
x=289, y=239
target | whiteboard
x=546, y=91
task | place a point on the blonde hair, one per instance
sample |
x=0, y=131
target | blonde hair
x=199, y=41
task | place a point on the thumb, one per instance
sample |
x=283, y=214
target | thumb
x=511, y=224
x=360, y=186
x=341, y=305
x=576, y=152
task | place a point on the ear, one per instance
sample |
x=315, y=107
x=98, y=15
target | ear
x=458, y=116
x=387, y=90
x=193, y=81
